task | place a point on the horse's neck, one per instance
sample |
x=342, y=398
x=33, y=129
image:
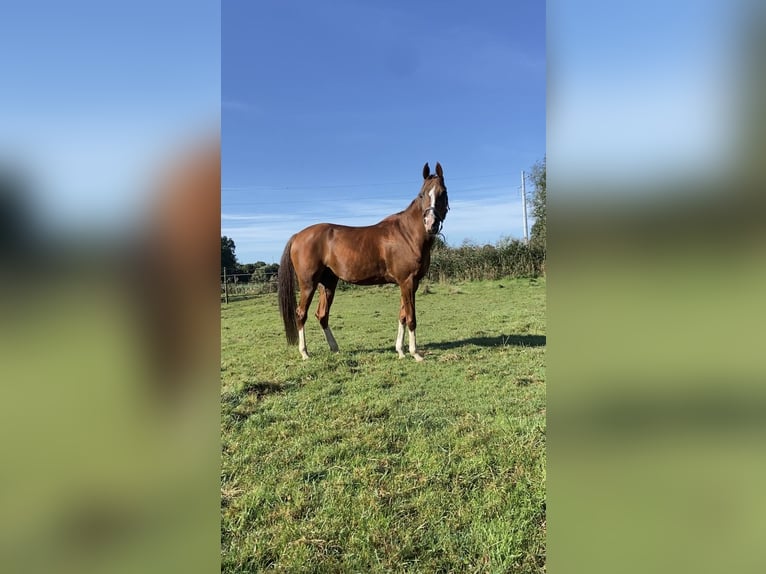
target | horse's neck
x=415, y=209
x=413, y=216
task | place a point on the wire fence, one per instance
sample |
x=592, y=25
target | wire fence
x=243, y=285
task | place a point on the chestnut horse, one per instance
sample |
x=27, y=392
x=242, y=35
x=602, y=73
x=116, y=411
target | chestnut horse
x=395, y=250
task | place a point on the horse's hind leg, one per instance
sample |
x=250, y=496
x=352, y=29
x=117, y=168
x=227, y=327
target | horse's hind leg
x=307, y=289
x=328, y=283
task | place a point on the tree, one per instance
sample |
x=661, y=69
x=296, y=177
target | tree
x=538, y=204
x=228, y=258
x=271, y=271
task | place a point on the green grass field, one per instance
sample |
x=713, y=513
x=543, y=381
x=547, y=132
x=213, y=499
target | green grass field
x=362, y=462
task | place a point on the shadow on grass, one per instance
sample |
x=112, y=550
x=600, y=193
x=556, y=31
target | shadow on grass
x=261, y=388
x=239, y=405
x=498, y=341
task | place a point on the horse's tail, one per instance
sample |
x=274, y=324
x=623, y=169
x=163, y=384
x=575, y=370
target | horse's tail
x=286, y=290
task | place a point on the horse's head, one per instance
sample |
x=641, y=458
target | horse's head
x=433, y=199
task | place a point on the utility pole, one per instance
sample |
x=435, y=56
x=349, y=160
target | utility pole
x=524, y=205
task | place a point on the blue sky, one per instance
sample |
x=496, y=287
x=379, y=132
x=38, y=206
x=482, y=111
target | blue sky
x=642, y=93
x=330, y=110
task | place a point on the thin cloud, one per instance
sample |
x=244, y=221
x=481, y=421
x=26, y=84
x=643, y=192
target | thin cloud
x=251, y=217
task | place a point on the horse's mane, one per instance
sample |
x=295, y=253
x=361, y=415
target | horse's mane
x=398, y=213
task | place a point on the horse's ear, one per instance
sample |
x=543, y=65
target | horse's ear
x=426, y=171
x=439, y=171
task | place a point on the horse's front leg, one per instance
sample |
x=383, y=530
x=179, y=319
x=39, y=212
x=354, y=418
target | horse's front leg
x=407, y=316
x=400, y=332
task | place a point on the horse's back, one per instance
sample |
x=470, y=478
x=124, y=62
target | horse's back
x=355, y=254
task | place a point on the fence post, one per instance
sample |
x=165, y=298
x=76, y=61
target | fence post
x=225, y=287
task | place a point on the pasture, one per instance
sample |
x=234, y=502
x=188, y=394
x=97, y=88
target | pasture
x=363, y=462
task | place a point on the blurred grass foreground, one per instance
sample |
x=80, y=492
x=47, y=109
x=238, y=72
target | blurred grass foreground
x=657, y=275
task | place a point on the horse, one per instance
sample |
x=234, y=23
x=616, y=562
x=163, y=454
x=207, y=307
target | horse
x=394, y=250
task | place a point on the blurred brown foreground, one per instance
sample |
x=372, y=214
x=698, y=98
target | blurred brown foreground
x=109, y=353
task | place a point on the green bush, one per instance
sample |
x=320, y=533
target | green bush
x=508, y=258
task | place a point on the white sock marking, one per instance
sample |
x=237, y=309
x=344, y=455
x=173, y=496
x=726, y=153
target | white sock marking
x=400, y=340
x=302, y=344
x=413, y=346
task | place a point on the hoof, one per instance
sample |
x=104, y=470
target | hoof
x=417, y=357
